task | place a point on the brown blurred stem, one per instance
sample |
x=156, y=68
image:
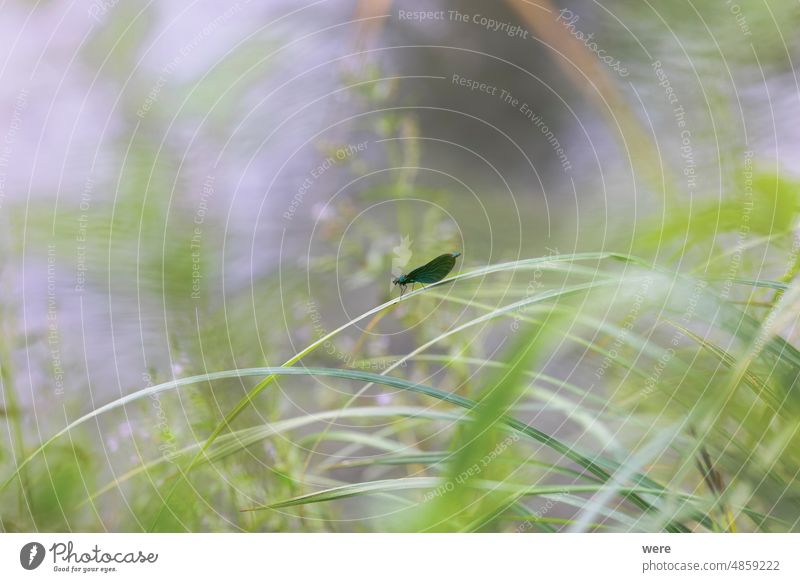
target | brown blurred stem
x=714, y=481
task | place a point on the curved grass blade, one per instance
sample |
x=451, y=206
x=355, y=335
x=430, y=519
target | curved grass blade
x=360, y=438
x=411, y=483
x=434, y=458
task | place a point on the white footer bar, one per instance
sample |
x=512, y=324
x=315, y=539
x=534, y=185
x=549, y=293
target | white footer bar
x=400, y=557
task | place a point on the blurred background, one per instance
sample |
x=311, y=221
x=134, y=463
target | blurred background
x=188, y=188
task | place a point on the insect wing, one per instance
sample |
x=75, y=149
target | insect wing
x=434, y=271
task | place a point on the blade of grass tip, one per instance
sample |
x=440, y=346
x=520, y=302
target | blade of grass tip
x=766, y=283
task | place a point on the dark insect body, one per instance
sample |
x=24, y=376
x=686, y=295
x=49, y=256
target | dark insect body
x=432, y=272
